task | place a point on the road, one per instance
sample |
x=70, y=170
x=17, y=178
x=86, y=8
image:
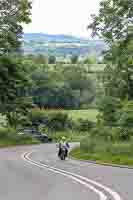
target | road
x=35, y=173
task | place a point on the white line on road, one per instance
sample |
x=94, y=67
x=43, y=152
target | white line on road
x=80, y=179
x=101, y=195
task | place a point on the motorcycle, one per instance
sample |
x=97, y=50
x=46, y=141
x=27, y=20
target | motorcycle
x=62, y=153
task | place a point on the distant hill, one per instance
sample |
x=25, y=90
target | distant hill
x=49, y=38
x=60, y=45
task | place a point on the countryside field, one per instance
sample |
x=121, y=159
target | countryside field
x=89, y=114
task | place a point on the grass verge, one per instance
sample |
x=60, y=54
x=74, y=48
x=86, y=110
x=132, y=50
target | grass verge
x=9, y=143
x=9, y=137
x=101, y=157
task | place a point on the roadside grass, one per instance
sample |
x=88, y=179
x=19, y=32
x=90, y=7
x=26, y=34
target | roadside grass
x=114, y=157
x=9, y=137
x=9, y=143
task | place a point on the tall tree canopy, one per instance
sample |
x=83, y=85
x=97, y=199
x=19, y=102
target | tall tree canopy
x=13, y=75
x=12, y=14
x=114, y=24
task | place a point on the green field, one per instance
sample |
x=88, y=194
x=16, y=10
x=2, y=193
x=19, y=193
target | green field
x=89, y=114
x=84, y=114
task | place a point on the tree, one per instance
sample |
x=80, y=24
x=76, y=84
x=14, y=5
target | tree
x=115, y=25
x=91, y=59
x=74, y=59
x=114, y=22
x=51, y=93
x=126, y=121
x=17, y=112
x=12, y=14
x=52, y=60
x=14, y=84
x=40, y=59
x=70, y=88
x=110, y=107
x=83, y=86
x=13, y=75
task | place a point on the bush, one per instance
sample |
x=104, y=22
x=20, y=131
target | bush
x=58, y=121
x=121, y=149
x=38, y=116
x=85, y=125
x=101, y=132
x=111, y=134
x=53, y=120
x=126, y=119
x=9, y=137
x=110, y=109
x=98, y=145
x=6, y=133
x=92, y=145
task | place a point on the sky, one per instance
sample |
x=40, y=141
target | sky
x=62, y=16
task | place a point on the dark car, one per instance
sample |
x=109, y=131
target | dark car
x=35, y=134
x=42, y=137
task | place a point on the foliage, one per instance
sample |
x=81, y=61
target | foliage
x=40, y=59
x=70, y=88
x=75, y=120
x=126, y=119
x=9, y=137
x=85, y=125
x=109, y=107
x=54, y=120
x=75, y=115
x=115, y=86
x=119, y=154
x=13, y=75
x=114, y=20
x=14, y=83
x=58, y=121
x=91, y=59
x=114, y=25
x=74, y=59
x=13, y=14
x=52, y=60
x=97, y=148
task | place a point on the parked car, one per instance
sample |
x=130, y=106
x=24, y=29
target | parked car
x=42, y=137
x=35, y=134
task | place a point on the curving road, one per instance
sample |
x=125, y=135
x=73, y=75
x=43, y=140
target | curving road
x=35, y=173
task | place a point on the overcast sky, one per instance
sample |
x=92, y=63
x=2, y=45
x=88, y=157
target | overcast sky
x=62, y=16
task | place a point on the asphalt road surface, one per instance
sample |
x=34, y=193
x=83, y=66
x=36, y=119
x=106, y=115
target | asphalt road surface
x=36, y=173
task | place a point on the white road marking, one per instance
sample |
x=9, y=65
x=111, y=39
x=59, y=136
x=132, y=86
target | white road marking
x=101, y=195
x=80, y=179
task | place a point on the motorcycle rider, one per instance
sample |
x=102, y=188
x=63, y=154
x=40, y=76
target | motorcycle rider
x=63, y=144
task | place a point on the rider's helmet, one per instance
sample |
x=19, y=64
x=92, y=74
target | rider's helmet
x=63, y=138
